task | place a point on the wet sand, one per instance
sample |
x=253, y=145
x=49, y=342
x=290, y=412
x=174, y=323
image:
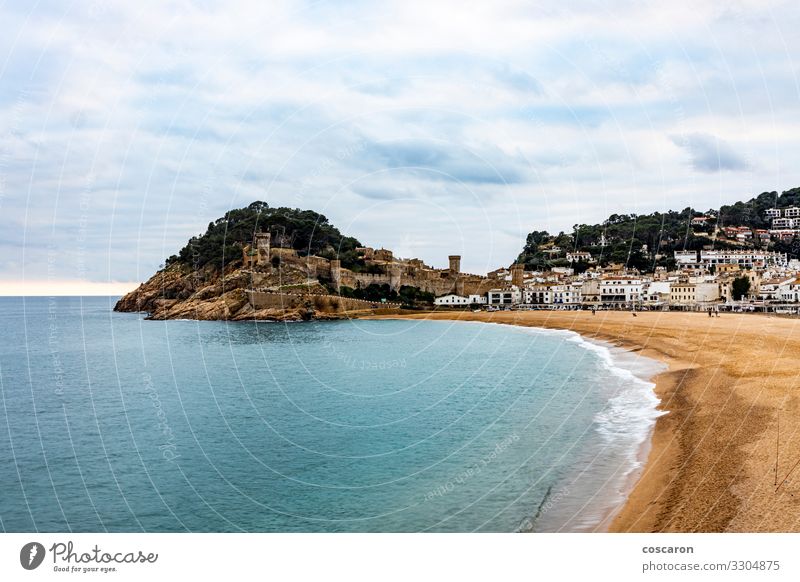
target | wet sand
x=733, y=416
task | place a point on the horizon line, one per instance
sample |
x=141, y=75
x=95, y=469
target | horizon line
x=65, y=288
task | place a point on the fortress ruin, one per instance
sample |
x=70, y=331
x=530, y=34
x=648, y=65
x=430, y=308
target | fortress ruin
x=381, y=268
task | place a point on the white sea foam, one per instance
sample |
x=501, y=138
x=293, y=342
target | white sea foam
x=624, y=426
x=633, y=408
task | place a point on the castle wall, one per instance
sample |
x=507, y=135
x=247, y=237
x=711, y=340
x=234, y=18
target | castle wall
x=317, y=266
x=413, y=273
x=326, y=303
x=366, y=279
x=283, y=253
x=438, y=282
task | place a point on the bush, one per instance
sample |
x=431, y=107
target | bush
x=306, y=231
x=740, y=288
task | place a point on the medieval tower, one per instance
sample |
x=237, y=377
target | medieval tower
x=336, y=274
x=455, y=265
x=517, y=274
x=262, y=240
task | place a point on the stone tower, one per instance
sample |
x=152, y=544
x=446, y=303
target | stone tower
x=517, y=274
x=262, y=240
x=336, y=274
x=455, y=265
x=395, y=276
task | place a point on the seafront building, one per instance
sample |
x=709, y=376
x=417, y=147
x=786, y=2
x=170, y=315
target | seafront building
x=737, y=270
x=504, y=297
x=453, y=300
x=701, y=279
x=690, y=295
x=621, y=290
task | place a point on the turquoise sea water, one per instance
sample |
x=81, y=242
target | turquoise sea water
x=112, y=423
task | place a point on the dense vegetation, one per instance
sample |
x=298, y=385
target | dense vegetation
x=752, y=212
x=647, y=241
x=306, y=231
x=740, y=288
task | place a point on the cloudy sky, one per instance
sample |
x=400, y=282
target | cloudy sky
x=429, y=127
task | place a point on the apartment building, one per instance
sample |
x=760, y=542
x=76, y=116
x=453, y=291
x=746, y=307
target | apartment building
x=693, y=294
x=622, y=289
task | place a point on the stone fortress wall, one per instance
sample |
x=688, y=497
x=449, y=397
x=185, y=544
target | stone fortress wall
x=327, y=303
x=393, y=271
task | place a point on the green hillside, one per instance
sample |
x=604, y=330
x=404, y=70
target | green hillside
x=646, y=241
x=306, y=231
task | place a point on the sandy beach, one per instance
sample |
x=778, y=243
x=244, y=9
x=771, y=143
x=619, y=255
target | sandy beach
x=720, y=457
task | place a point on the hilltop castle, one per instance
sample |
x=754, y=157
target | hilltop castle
x=382, y=267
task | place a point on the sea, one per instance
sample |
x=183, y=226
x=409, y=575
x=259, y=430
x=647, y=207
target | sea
x=110, y=422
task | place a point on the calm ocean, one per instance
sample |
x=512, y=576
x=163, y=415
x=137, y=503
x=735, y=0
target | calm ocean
x=112, y=423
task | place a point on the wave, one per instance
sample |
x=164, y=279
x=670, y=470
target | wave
x=624, y=424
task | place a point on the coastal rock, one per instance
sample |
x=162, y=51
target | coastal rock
x=177, y=292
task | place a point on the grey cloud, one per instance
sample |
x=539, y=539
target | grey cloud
x=380, y=193
x=448, y=162
x=517, y=79
x=710, y=153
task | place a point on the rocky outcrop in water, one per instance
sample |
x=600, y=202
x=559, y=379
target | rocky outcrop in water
x=180, y=293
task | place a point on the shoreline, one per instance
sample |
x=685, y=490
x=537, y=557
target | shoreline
x=712, y=459
x=641, y=368
x=643, y=449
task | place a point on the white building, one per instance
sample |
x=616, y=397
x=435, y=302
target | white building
x=775, y=289
x=749, y=258
x=553, y=294
x=780, y=225
x=789, y=291
x=504, y=297
x=686, y=257
x=784, y=223
x=621, y=290
x=538, y=294
x=451, y=300
x=579, y=256
x=656, y=292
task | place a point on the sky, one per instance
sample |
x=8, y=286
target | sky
x=427, y=127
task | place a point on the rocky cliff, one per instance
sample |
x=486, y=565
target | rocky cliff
x=178, y=292
x=209, y=277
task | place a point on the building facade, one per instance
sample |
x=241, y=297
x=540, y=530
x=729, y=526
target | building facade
x=621, y=290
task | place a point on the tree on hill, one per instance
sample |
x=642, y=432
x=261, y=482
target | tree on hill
x=646, y=241
x=306, y=231
x=740, y=288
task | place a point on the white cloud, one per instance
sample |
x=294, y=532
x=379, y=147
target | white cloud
x=164, y=115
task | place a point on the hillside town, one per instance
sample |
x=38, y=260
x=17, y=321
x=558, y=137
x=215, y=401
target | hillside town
x=694, y=263
x=743, y=276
